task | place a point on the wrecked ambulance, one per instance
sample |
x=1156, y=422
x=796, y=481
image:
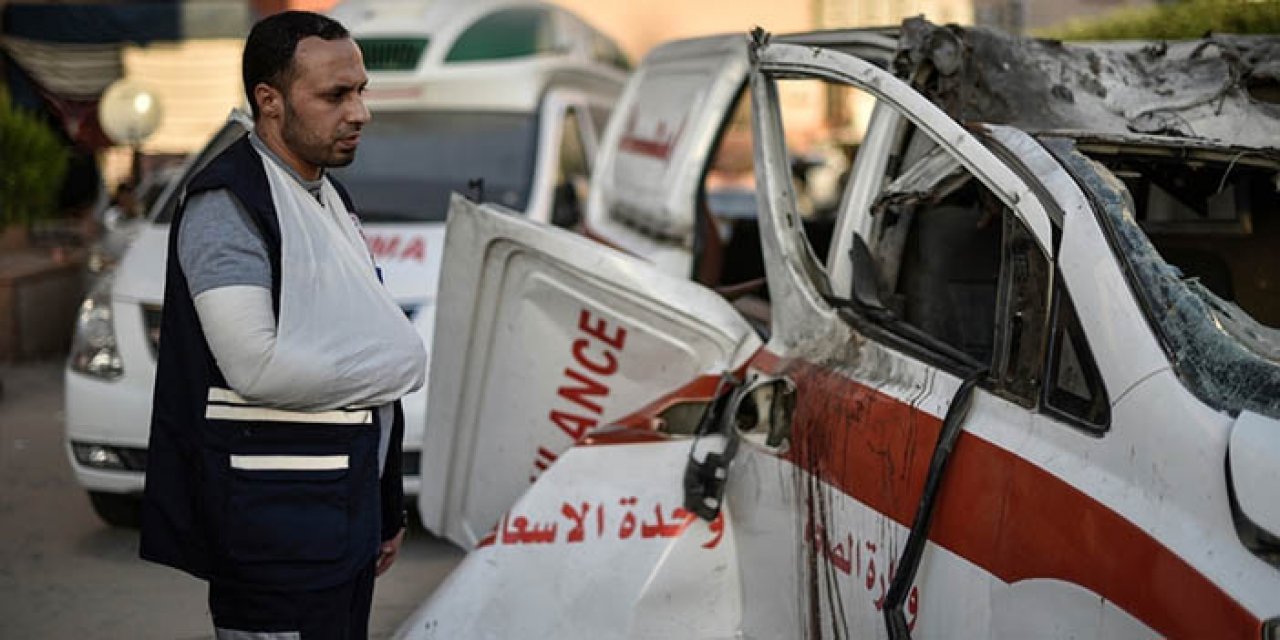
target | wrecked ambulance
x=1032, y=390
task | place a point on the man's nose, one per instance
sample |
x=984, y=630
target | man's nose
x=359, y=113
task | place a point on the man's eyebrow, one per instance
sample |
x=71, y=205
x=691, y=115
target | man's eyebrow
x=346, y=87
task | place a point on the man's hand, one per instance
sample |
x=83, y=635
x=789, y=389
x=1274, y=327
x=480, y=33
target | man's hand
x=388, y=552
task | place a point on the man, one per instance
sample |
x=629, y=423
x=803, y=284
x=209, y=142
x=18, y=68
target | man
x=276, y=430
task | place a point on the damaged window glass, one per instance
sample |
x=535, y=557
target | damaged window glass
x=1196, y=225
x=1073, y=385
x=954, y=263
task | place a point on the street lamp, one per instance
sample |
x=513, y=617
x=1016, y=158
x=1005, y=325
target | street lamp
x=129, y=113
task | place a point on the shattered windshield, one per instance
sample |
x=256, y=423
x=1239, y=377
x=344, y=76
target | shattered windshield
x=1197, y=231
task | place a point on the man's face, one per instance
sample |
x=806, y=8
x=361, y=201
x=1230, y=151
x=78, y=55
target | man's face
x=323, y=108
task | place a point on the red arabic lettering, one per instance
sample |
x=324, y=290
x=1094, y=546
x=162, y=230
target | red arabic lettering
x=578, y=533
x=666, y=523
x=879, y=602
x=846, y=556
x=871, y=566
x=840, y=556
x=658, y=147
x=518, y=531
x=661, y=529
x=628, y=521
x=837, y=554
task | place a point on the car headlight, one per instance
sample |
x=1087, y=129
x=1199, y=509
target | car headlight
x=93, y=347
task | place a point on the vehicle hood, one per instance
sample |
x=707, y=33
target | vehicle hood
x=1221, y=87
x=409, y=256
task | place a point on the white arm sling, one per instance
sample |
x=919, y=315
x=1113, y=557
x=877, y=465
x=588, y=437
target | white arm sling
x=340, y=339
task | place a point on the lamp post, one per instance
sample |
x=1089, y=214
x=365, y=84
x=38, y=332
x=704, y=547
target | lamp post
x=129, y=113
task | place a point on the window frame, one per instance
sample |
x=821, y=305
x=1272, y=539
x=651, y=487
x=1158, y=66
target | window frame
x=1084, y=357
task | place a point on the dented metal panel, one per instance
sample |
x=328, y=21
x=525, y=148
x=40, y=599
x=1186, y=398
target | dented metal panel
x=543, y=336
x=1215, y=88
x=599, y=548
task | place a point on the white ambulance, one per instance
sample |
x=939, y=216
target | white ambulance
x=501, y=100
x=1024, y=382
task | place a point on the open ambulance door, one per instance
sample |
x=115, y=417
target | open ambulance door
x=541, y=336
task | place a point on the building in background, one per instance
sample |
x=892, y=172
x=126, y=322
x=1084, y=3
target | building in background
x=57, y=57
x=1021, y=16
x=57, y=60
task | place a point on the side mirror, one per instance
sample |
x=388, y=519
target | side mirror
x=866, y=277
x=1253, y=464
x=762, y=410
x=566, y=212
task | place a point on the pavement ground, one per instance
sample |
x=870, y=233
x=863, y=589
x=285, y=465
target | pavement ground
x=65, y=574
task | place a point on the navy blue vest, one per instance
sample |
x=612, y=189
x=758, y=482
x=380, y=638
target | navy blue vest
x=290, y=529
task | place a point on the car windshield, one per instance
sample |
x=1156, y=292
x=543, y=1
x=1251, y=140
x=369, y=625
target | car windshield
x=410, y=161
x=1196, y=227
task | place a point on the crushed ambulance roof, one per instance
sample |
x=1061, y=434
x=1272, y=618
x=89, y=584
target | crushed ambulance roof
x=1221, y=88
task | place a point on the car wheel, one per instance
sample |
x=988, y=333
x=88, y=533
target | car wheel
x=117, y=510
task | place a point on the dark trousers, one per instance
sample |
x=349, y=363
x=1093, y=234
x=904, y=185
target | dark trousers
x=335, y=613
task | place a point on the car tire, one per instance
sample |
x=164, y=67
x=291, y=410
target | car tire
x=117, y=510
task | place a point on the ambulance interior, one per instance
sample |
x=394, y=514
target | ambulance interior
x=938, y=234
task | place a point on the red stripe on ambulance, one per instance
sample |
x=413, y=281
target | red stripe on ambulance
x=996, y=509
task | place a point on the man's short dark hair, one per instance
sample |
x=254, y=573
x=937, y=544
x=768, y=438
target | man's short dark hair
x=268, y=52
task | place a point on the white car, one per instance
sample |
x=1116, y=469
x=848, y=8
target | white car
x=502, y=100
x=1032, y=391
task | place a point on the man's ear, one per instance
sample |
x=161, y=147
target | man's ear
x=270, y=100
